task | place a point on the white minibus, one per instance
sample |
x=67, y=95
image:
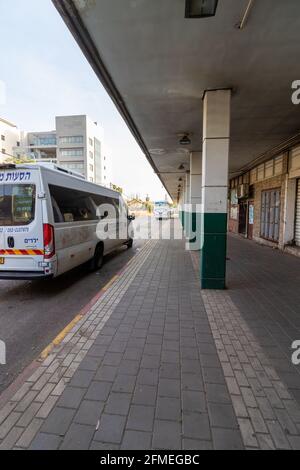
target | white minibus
x=53, y=220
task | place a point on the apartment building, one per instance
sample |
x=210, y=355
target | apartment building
x=9, y=139
x=39, y=145
x=79, y=147
x=76, y=144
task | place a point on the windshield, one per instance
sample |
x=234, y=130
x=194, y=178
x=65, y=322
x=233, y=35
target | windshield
x=17, y=204
x=161, y=204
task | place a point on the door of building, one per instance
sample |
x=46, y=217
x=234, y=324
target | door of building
x=250, y=219
x=243, y=218
x=297, y=220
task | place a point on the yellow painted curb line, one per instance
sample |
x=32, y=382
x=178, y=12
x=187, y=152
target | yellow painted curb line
x=59, y=338
x=113, y=279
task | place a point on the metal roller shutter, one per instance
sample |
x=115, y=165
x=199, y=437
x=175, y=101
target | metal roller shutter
x=297, y=222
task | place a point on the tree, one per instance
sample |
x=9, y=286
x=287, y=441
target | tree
x=19, y=160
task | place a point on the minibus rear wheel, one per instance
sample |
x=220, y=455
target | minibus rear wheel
x=129, y=243
x=97, y=261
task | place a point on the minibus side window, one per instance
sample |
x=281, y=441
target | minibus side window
x=99, y=201
x=115, y=204
x=74, y=205
x=71, y=205
x=123, y=207
x=105, y=204
x=58, y=218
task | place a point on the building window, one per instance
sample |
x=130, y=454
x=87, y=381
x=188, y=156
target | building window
x=270, y=214
x=18, y=144
x=91, y=180
x=91, y=142
x=92, y=155
x=45, y=141
x=75, y=139
x=98, y=162
x=3, y=137
x=72, y=152
x=91, y=167
x=79, y=167
x=3, y=151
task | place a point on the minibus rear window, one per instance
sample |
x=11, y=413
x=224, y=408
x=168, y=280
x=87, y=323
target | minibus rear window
x=17, y=204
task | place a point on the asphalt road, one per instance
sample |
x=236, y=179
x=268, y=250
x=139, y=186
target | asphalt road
x=32, y=314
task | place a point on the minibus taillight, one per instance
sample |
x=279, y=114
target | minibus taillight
x=49, y=243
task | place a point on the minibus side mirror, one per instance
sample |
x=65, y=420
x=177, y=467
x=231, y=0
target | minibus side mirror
x=105, y=215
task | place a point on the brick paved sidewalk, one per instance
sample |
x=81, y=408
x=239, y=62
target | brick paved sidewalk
x=156, y=364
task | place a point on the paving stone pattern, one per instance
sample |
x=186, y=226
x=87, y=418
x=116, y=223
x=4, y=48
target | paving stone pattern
x=157, y=364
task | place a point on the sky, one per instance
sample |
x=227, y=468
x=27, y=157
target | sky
x=45, y=74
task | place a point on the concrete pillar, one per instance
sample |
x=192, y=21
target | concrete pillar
x=182, y=203
x=195, y=199
x=216, y=133
x=180, y=207
x=187, y=209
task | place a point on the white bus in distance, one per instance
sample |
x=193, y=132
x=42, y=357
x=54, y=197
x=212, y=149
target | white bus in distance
x=162, y=210
x=53, y=220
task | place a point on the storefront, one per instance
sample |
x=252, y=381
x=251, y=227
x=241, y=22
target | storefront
x=257, y=212
x=264, y=203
